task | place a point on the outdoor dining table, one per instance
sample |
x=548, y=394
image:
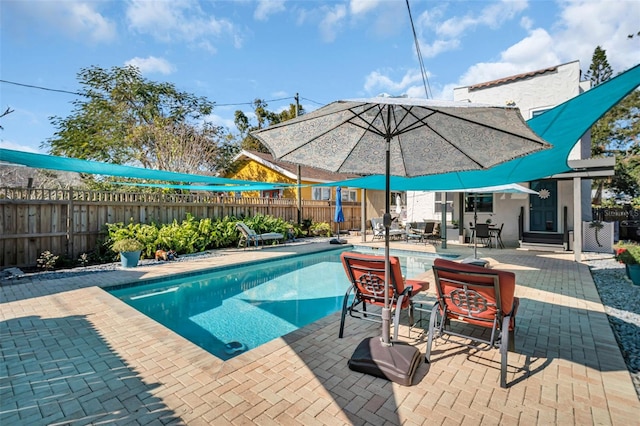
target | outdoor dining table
x=493, y=232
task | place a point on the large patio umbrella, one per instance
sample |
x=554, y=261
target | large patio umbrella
x=401, y=137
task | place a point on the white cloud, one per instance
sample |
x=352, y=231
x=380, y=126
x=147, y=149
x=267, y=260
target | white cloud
x=152, y=65
x=332, y=22
x=180, y=21
x=80, y=20
x=86, y=20
x=267, y=8
x=450, y=32
x=526, y=23
x=585, y=24
x=377, y=82
x=17, y=147
x=439, y=46
x=357, y=7
x=492, y=16
x=529, y=54
x=221, y=121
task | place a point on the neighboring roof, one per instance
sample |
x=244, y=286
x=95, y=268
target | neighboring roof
x=513, y=78
x=308, y=174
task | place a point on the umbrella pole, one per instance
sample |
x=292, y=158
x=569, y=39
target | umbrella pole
x=386, y=311
x=399, y=361
x=475, y=226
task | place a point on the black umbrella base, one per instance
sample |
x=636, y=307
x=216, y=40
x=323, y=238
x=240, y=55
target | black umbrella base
x=337, y=241
x=477, y=262
x=397, y=363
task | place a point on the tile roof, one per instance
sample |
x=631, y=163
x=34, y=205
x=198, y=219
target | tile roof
x=512, y=78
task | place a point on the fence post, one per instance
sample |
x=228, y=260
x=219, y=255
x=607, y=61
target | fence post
x=70, y=237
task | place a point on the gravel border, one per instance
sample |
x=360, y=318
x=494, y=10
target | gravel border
x=621, y=300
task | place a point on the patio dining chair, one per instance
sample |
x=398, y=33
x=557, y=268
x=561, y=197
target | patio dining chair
x=477, y=297
x=483, y=234
x=419, y=230
x=498, y=234
x=366, y=274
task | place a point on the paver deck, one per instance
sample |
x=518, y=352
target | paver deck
x=73, y=354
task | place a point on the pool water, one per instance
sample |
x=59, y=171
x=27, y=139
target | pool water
x=232, y=310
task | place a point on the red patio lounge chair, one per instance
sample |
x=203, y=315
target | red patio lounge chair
x=366, y=274
x=477, y=296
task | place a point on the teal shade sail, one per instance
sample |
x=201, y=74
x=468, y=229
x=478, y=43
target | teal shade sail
x=51, y=162
x=254, y=186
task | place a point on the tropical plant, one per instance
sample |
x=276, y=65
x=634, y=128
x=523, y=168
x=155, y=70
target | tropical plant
x=321, y=228
x=627, y=252
x=127, y=245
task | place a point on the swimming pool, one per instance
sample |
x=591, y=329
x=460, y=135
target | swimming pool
x=231, y=310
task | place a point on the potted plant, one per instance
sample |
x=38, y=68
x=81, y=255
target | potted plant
x=628, y=252
x=129, y=249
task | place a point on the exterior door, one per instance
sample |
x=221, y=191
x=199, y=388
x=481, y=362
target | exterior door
x=543, y=208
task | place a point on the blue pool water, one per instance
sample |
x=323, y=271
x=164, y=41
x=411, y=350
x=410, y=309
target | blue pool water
x=235, y=309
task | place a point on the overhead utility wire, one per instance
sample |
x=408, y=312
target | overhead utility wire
x=31, y=86
x=425, y=80
x=41, y=88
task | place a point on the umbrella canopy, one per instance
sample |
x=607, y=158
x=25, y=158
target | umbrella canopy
x=401, y=137
x=425, y=137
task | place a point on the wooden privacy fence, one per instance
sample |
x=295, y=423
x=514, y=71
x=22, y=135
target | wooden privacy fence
x=70, y=222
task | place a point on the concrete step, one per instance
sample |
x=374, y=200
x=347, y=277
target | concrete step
x=542, y=247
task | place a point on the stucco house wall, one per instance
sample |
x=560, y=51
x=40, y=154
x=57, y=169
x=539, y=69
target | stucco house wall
x=532, y=93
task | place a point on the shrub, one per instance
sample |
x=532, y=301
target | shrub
x=321, y=228
x=126, y=245
x=47, y=260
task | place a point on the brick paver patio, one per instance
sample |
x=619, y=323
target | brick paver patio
x=73, y=354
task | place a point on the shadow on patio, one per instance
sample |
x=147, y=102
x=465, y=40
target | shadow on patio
x=60, y=371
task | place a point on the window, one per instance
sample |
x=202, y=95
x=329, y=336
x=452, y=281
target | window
x=272, y=193
x=321, y=193
x=349, y=195
x=539, y=111
x=485, y=202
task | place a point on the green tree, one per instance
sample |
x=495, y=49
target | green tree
x=616, y=134
x=123, y=118
x=264, y=118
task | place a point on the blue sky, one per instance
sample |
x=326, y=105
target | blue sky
x=233, y=52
